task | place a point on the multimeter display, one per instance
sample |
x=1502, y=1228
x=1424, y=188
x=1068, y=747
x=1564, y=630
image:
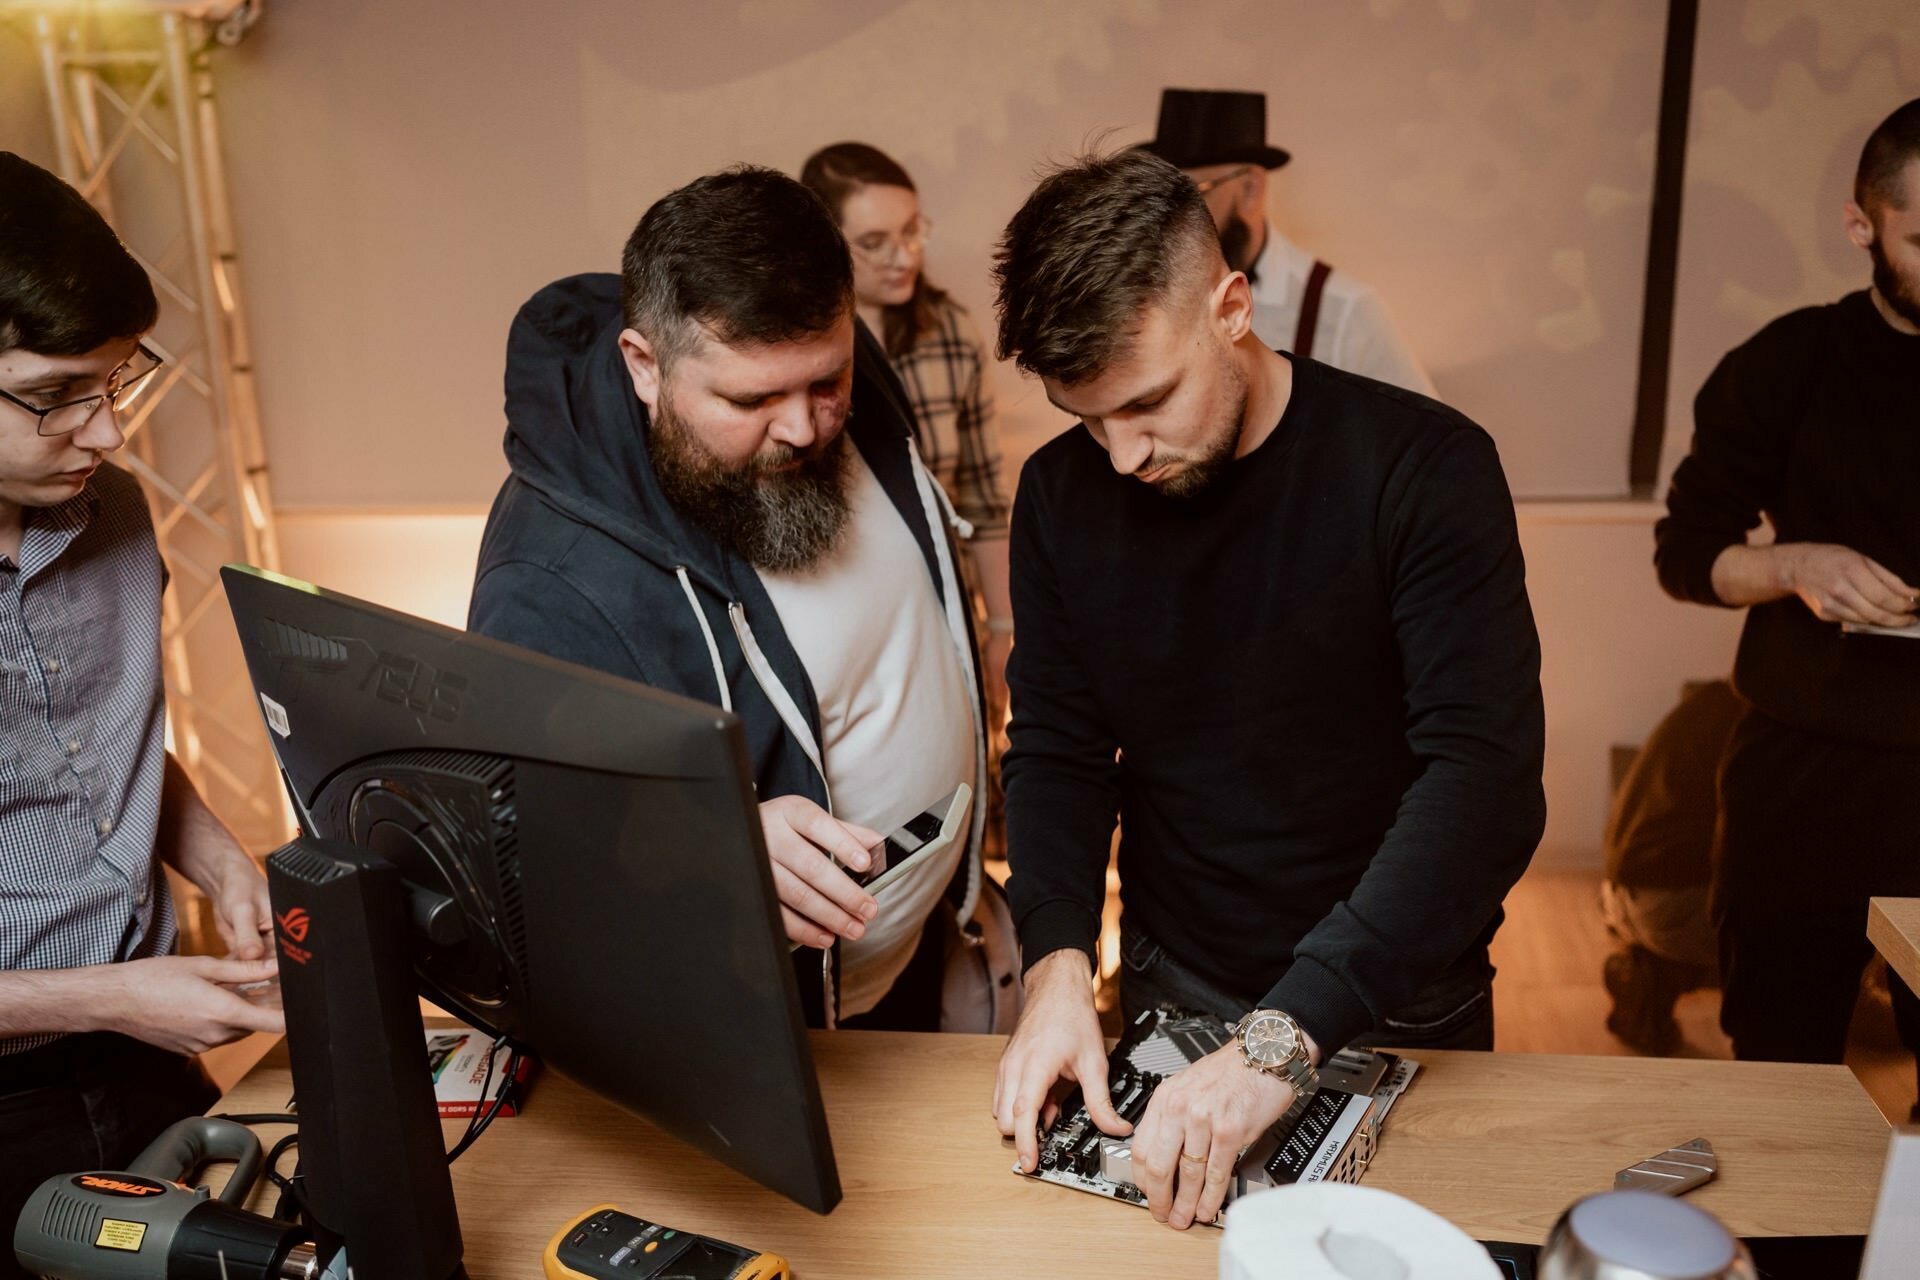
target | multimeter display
x=704, y=1260
x=614, y=1244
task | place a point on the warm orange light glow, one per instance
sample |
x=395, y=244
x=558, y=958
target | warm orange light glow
x=210, y=10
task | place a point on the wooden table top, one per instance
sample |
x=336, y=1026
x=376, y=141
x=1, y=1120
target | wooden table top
x=1498, y=1143
x=1894, y=926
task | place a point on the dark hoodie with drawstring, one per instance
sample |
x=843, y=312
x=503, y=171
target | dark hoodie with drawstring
x=584, y=558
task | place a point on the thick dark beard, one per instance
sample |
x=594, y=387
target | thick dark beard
x=1895, y=291
x=777, y=521
x=1196, y=477
x=1236, y=243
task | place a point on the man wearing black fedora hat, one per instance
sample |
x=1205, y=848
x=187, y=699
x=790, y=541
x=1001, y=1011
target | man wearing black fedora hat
x=1302, y=305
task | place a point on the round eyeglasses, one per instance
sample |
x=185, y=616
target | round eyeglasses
x=882, y=247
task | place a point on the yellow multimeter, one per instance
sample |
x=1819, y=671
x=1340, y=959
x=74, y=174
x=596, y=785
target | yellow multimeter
x=606, y=1244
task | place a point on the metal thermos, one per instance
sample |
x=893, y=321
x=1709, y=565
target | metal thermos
x=1637, y=1235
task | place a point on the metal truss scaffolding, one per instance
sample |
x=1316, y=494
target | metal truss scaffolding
x=137, y=132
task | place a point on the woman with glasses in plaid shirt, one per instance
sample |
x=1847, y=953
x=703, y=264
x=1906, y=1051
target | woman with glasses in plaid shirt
x=934, y=347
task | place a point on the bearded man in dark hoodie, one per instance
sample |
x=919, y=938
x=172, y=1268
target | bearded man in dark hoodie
x=715, y=492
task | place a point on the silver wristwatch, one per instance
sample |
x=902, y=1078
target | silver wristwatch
x=1271, y=1041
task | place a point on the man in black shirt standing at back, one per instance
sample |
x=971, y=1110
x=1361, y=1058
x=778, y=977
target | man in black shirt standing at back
x=1273, y=616
x=1815, y=424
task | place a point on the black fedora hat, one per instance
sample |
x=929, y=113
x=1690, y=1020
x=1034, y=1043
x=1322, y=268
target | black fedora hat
x=1213, y=126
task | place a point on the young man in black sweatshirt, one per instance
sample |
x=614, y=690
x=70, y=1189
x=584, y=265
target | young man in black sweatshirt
x=1815, y=424
x=1273, y=616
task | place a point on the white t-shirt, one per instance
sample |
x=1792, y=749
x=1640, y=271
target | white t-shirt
x=896, y=724
x=1353, y=331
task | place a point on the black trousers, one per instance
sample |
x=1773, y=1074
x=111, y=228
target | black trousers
x=1810, y=828
x=82, y=1103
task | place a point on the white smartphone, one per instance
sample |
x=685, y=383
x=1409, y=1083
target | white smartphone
x=919, y=837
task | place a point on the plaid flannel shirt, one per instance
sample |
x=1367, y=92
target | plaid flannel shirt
x=945, y=377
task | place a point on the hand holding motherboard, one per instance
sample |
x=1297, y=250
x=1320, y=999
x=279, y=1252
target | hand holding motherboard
x=1195, y=1128
x=1327, y=1134
x=1058, y=1041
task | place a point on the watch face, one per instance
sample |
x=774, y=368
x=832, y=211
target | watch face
x=1271, y=1039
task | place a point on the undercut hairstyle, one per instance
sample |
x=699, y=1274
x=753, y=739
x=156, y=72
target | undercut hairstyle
x=67, y=284
x=835, y=173
x=1890, y=148
x=1097, y=242
x=748, y=254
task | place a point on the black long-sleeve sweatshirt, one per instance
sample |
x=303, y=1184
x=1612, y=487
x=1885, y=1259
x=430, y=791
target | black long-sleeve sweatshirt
x=1311, y=694
x=1815, y=423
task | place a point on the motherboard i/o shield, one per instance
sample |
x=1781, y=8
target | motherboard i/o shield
x=1329, y=1135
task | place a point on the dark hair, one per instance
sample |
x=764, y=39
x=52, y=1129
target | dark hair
x=1096, y=242
x=747, y=252
x=838, y=171
x=1889, y=150
x=67, y=284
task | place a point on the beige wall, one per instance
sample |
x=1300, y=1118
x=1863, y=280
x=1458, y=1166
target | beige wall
x=1785, y=93
x=405, y=173
x=23, y=98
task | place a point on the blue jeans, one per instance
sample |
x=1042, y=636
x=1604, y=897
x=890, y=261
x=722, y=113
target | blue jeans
x=1455, y=1011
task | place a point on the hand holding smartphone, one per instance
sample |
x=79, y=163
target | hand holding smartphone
x=919, y=838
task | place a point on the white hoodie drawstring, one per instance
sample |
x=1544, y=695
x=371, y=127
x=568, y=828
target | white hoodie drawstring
x=713, y=649
x=962, y=527
x=934, y=502
x=789, y=714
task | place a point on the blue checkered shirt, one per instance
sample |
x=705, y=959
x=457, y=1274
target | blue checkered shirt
x=84, y=753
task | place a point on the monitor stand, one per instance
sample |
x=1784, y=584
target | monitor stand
x=371, y=1149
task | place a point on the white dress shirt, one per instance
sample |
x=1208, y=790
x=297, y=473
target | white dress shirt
x=1354, y=331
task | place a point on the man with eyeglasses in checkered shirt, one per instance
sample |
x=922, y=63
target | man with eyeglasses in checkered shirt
x=98, y=1016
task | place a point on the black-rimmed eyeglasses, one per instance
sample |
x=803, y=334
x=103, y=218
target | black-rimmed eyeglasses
x=123, y=385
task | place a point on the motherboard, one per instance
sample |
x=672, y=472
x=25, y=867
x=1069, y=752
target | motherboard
x=1329, y=1134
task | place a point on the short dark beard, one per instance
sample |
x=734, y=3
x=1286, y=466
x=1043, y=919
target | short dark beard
x=1236, y=244
x=777, y=521
x=1200, y=474
x=1897, y=293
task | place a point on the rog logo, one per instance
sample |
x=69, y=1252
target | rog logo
x=295, y=924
